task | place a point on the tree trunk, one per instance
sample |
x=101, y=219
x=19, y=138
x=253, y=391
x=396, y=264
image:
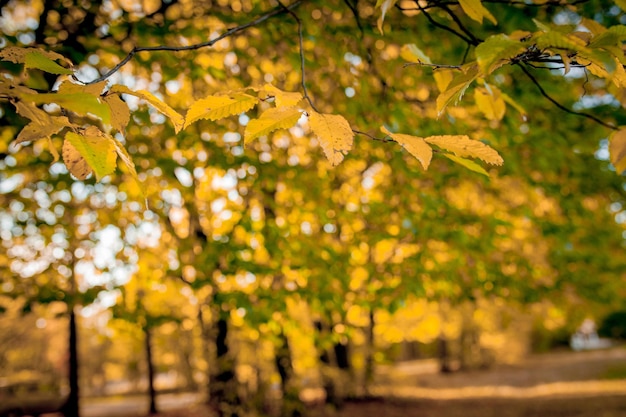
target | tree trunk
x=443, y=352
x=292, y=406
x=151, y=390
x=223, y=393
x=71, y=406
x=369, y=358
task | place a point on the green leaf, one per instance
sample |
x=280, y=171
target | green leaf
x=92, y=150
x=79, y=103
x=497, y=51
x=467, y=163
x=272, y=119
x=36, y=59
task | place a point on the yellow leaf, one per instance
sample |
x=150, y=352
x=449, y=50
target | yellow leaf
x=42, y=125
x=219, y=107
x=175, y=117
x=617, y=150
x=456, y=88
x=410, y=52
x=415, y=145
x=334, y=133
x=272, y=119
x=463, y=146
x=283, y=98
x=91, y=151
x=384, y=5
x=490, y=102
x=467, y=163
x=126, y=159
x=476, y=11
x=120, y=114
x=443, y=77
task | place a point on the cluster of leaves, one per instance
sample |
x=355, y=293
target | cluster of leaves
x=86, y=113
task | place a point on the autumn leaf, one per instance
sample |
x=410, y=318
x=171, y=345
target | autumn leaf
x=120, y=114
x=271, y=119
x=463, y=146
x=496, y=51
x=410, y=52
x=283, y=98
x=490, y=102
x=126, y=159
x=467, y=163
x=42, y=125
x=456, y=88
x=36, y=58
x=384, y=5
x=90, y=151
x=71, y=88
x=218, y=107
x=334, y=133
x=617, y=150
x=79, y=103
x=476, y=11
x=415, y=145
x=173, y=115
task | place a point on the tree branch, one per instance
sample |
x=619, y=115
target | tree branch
x=385, y=139
x=562, y=107
x=305, y=91
x=230, y=32
x=442, y=26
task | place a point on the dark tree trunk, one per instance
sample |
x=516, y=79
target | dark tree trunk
x=224, y=397
x=369, y=359
x=292, y=406
x=151, y=390
x=444, y=355
x=71, y=407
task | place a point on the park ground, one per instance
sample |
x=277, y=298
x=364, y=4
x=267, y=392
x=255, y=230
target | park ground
x=561, y=384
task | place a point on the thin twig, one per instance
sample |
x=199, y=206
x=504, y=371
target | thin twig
x=277, y=11
x=385, y=139
x=470, y=35
x=355, y=12
x=305, y=91
x=435, y=66
x=442, y=26
x=559, y=105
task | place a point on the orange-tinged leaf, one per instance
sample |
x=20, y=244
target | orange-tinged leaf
x=283, y=98
x=617, y=150
x=334, y=133
x=467, y=163
x=120, y=114
x=91, y=151
x=177, y=119
x=42, y=125
x=271, y=119
x=490, y=102
x=218, y=107
x=74, y=161
x=463, y=146
x=68, y=87
x=415, y=145
x=476, y=11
